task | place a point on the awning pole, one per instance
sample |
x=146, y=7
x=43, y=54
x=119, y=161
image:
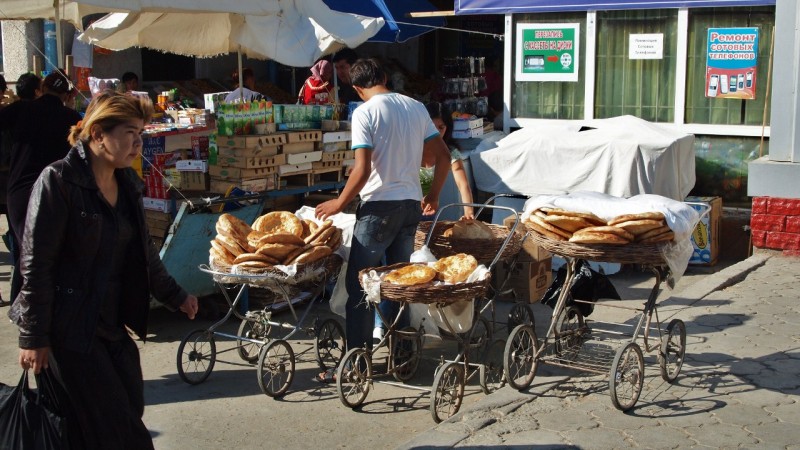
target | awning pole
x=241, y=77
x=59, y=50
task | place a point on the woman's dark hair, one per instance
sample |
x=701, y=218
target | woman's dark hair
x=128, y=76
x=347, y=54
x=57, y=82
x=3, y=84
x=367, y=73
x=246, y=73
x=439, y=111
x=27, y=85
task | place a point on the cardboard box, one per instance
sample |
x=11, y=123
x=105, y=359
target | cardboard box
x=529, y=280
x=236, y=174
x=335, y=136
x=294, y=168
x=236, y=152
x=466, y=134
x=251, y=141
x=529, y=251
x=251, y=162
x=298, y=147
x=304, y=136
x=298, y=158
x=338, y=156
x=191, y=165
x=335, y=146
x=158, y=204
x=705, y=237
x=194, y=181
x=464, y=124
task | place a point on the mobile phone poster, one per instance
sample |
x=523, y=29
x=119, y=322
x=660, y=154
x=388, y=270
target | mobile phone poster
x=547, y=52
x=731, y=63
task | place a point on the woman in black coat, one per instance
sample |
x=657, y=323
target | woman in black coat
x=89, y=268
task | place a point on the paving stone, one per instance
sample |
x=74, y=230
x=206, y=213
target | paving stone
x=602, y=438
x=530, y=438
x=786, y=412
x=610, y=417
x=661, y=437
x=734, y=413
x=567, y=420
x=775, y=434
x=721, y=436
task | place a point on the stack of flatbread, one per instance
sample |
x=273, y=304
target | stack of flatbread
x=469, y=229
x=451, y=269
x=278, y=237
x=587, y=228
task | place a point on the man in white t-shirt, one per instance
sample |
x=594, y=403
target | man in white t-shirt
x=390, y=134
x=247, y=91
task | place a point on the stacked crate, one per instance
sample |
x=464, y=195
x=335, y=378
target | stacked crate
x=158, y=223
x=335, y=151
x=248, y=162
x=301, y=151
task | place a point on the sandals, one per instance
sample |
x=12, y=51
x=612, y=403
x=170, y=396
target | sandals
x=327, y=377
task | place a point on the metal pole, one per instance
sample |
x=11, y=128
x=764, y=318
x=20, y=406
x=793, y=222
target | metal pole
x=241, y=77
x=58, y=34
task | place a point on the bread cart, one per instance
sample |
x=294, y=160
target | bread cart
x=355, y=372
x=599, y=347
x=260, y=338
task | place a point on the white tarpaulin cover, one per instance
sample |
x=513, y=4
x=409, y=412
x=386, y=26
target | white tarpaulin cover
x=621, y=156
x=297, y=34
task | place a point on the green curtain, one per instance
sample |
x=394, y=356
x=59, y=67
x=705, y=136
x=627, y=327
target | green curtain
x=550, y=99
x=724, y=111
x=644, y=88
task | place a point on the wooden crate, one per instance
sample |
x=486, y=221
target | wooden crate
x=304, y=178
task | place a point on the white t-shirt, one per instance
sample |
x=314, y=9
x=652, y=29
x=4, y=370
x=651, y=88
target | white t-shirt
x=235, y=96
x=395, y=128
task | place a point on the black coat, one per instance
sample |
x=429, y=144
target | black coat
x=66, y=254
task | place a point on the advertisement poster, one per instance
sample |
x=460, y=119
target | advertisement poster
x=731, y=63
x=547, y=51
x=646, y=46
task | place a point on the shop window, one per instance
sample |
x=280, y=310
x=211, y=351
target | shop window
x=644, y=88
x=721, y=166
x=725, y=111
x=550, y=99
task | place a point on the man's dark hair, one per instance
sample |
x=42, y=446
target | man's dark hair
x=367, y=73
x=128, y=76
x=3, y=84
x=348, y=54
x=27, y=85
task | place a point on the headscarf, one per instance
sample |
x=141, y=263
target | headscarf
x=321, y=67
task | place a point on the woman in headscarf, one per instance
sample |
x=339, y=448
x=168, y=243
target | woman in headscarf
x=318, y=89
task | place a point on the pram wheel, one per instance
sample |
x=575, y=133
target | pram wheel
x=448, y=391
x=276, y=368
x=404, y=357
x=627, y=376
x=254, y=328
x=569, y=332
x=197, y=353
x=492, y=376
x=519, y=358
x=477, y=338
x=673, y=348
x=520, y=314
x=353, y=377
x=329, y=344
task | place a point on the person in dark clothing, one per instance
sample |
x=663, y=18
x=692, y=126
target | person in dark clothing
x=39, y=130
x=89, y=267
x=29, y=86
x=342, y=61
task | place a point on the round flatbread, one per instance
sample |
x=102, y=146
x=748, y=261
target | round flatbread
x=567, y=223
x=276, y=251
x=219, y=258
x=280, y=238
x=252, y=265
x=654, y=232
x=334, y=240
x=541, y=223
x=253, y=257
x=224, y=254
x=627, y=235
x=638, y=227
x=587, y=216
x=253, y=238
x=456, y=268
x=230, y=244
x=279, y=222
x=322, y=227
x=295, y=253
x=313, y=254
x=306, y=228
x=663, y=237
x=652, y=215
x=411, y=274
x=324, y=236
x=470, y=229
x=545, y=232
x=232, y=226
x=598, y=238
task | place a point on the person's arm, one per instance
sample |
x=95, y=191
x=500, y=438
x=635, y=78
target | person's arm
x=460, y=177
x=435, y=150
x=358, y=178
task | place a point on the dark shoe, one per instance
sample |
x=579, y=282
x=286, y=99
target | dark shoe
x=327, y=377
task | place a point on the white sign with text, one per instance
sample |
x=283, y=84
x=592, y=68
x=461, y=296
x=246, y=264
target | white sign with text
x=646, y=46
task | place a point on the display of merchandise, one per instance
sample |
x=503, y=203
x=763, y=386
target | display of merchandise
x=463, y=80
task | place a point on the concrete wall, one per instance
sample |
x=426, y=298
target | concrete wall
x=21, y=38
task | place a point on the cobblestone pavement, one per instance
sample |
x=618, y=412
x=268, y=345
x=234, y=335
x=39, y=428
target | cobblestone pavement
x=739, y=386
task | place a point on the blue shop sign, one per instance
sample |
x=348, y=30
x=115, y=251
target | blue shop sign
x=541, y=6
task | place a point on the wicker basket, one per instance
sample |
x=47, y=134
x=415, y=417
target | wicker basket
x=316, y=270
x=484, y=250
x=429, y=292
x=624, y=254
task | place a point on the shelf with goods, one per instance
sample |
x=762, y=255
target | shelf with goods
x=463, y=80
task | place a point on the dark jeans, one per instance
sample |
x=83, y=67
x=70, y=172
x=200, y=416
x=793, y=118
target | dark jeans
x=382, y=229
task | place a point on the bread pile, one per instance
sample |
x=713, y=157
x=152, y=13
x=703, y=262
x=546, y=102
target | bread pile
x=469, y=229
x=587, y=228
x=278, y=237
x=451, y=269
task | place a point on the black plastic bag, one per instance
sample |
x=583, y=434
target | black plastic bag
x=32, y=419
x=588, y=285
